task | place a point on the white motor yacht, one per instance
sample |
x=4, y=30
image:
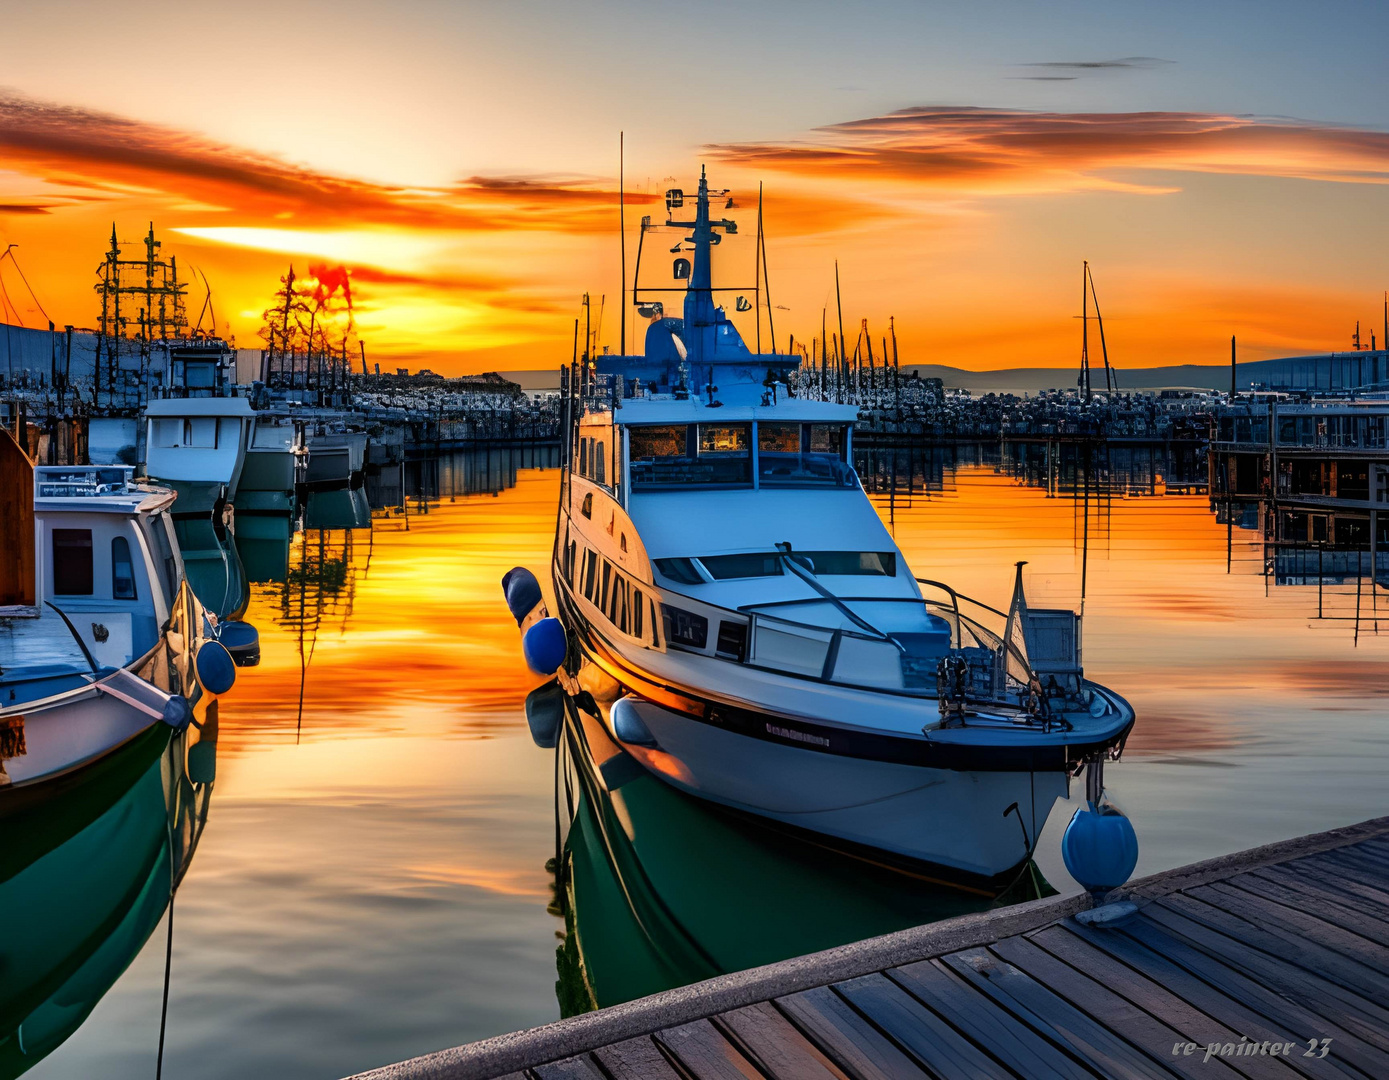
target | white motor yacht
x=757, y=639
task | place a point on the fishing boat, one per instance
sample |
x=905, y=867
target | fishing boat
x=225, y=458
x=770, y=649
x=104, y=639
x=220, y=449
x=337, y=456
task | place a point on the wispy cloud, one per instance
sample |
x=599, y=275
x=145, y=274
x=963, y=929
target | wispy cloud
x=1014, y=151
x=1089, y=67
x=91, y=151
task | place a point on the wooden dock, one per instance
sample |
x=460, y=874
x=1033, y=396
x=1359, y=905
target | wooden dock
x=1275, y=950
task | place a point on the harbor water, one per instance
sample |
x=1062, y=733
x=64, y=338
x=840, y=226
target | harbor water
x=371, y=881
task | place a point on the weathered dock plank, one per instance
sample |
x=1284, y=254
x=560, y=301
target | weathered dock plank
x=923, y=1034
x=847, y=1037
x=1284, y=947
x=705, y=1054
x=1009, y=1040
x=771, y=1043
x=635, y=1059
x=1204, y=1012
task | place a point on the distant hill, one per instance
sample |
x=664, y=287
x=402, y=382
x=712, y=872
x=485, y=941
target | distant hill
x=1035, y=379
x=543, y=379
x=1032, y=380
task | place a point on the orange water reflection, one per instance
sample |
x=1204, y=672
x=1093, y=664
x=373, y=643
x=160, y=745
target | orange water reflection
x=403, y=627
x=1210, y=657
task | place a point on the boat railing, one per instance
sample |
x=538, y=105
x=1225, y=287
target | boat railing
x=766, y=637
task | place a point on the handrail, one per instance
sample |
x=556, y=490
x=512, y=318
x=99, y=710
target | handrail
x=982, y=635
x=959, y=596
x=809, y=579
x=1002, y=642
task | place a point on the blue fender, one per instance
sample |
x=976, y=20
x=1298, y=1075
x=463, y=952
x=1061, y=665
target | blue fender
x=1100, y=848
x=216, y=669
x=544, y=646
x=242, y=640
x=522, y=592
x=545, y=714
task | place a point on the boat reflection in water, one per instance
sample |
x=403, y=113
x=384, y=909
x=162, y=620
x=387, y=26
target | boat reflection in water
x=659, y=889
x=89, y=865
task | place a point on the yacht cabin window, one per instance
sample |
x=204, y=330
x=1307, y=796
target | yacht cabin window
x=802, y=455
x=768, y=564
x=689, y=455
x=122, y=569
x=72, y=562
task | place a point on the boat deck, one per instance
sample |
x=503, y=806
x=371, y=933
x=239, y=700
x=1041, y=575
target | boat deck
x=1285, y=944
x=42, y=642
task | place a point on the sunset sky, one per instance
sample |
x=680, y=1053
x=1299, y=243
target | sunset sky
x=1222, y=165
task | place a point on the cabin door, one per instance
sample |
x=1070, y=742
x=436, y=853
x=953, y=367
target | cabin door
x=17, y=578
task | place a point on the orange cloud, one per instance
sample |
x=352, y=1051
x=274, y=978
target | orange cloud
x=1015, y=151
x=88, y=150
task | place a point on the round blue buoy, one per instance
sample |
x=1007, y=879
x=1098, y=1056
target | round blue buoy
x=544, y=646
x=177, y=712
x=202, y=762
x=545, y=714
x=216, y=669
x=522, y=592
x=1100, y=848
x=242, y=640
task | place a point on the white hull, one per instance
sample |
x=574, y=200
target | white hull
x=73, y=733
x=953, y=819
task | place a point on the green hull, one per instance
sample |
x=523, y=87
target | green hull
x=84, y=885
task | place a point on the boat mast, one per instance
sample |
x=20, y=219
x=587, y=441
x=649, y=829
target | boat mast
x=766, y=284
x=841, y=347
x=757, y=270
x=1104, y=349
x=1084, y=330
x=622, y=230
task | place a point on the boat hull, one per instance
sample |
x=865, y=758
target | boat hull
x=959, y=824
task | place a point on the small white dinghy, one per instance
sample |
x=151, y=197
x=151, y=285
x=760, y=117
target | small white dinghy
x=100, y=636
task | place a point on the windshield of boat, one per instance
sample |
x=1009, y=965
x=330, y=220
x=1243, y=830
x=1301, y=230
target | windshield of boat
x=769, y=564
x=802, y=455
x=789, y=454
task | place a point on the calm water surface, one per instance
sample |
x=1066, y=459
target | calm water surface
x=371, y=882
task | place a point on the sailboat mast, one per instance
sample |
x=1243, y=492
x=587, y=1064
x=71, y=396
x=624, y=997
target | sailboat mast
x=757, y=270
x=841, y=345
x=766, y=284
x=622, y=228
x=1085, y=329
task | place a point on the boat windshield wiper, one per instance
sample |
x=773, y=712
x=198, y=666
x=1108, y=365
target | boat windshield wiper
x=86, y=652
x=790, y=562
